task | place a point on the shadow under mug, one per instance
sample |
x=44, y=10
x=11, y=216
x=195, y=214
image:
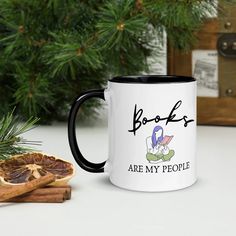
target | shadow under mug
x=152, y=132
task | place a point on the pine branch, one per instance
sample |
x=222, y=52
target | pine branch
x=119, y=24
x=123, y=31
x=70, y=53
x=51, y=50
x=10, y=130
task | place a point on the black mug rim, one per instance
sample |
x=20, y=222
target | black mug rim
x=152, y=79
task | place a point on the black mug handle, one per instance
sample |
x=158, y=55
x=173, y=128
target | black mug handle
x=82, y=162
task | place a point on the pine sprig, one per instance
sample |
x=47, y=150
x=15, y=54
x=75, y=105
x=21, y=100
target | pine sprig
x=11, y=143
x=70, y=53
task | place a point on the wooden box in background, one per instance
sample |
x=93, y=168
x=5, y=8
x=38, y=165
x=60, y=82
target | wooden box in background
x=213, y=62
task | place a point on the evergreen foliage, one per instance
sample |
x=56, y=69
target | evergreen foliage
x=51, y=50
x=11, y=143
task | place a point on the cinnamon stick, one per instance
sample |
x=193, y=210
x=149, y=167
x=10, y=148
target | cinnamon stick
x=65, y=189
x=27, y=187
x=50, y=198
x=48, y=191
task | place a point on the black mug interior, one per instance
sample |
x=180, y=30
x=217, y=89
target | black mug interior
x=152, y=79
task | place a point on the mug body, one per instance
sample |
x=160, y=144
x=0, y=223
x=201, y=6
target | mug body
x=152, y=132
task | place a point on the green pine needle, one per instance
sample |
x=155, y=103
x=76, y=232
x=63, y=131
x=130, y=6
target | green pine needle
x=10, y=130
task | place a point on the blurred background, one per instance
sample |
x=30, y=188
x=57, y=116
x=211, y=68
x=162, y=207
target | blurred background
x=52, y=50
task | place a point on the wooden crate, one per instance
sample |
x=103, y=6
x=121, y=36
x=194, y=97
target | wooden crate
x=219, y=110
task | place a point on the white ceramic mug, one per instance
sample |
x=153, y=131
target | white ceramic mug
x=152, y=132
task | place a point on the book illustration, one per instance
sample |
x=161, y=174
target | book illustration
x=166, y=140
x=157, y=146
